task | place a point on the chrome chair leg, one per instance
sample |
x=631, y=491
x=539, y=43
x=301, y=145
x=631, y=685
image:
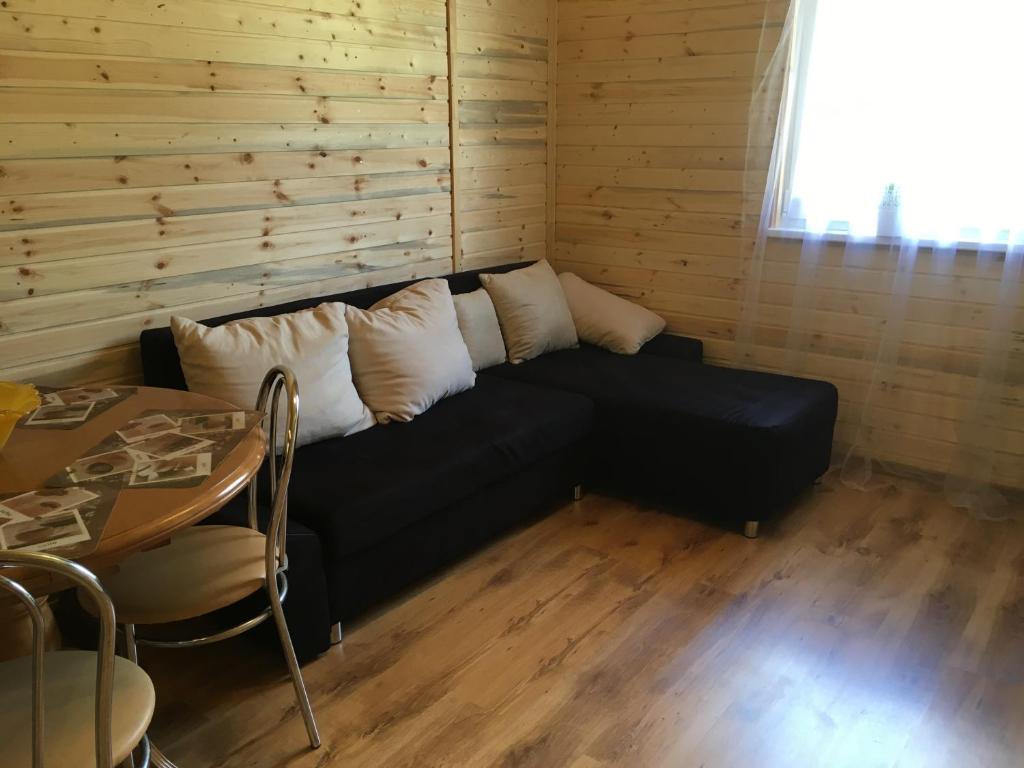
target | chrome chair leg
x=336, y=634
x=293, y=665
x=131, y=649
x=159, y=759
x=145, y=755
x=131, y=653
x=151, y=756
x=145, y=752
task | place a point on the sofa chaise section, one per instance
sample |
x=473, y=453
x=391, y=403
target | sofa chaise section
x=731, y=444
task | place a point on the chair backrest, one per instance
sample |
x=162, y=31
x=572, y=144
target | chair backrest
x=82, y=577
x=279, y=381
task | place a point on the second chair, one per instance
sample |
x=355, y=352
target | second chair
x=210, y=567
x=69, y=709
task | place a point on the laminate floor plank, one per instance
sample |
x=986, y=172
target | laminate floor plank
x=877, y=628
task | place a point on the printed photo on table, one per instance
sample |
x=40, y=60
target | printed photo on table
x=46, y=500
x=105, y=464
x=85, y=395
x=60, y=414
x=170, y=445
x=53, y=531
x=146, y=426
x=213, y=422
x=171, y=470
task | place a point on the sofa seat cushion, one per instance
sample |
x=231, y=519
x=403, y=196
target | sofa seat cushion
x=739, y=441
x=357, y=491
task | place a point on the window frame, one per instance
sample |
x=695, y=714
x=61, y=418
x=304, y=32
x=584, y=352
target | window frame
x=791, y=107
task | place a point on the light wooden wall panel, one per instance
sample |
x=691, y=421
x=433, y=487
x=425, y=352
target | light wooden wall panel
x=652, y=109
x=500, y=73
x=200, y=157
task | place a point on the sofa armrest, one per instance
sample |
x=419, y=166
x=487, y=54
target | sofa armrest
x=678, y=347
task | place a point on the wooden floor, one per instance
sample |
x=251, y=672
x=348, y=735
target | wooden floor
x=865, y=629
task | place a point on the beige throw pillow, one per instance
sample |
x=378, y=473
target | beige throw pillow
x=407, y=352
x=230, y=361
x=607, y=320
x=532, y=311
x=479, y=326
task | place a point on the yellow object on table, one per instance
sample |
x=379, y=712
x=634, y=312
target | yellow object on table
x=15, y=401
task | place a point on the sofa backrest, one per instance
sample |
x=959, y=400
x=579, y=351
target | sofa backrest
x=161, y=366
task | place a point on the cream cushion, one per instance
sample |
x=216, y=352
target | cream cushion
x=230, y=361
x=604, y=319
x=478, y=324
x=532, y=311
x=201, y=570
x=407, y=352
x=69, y=701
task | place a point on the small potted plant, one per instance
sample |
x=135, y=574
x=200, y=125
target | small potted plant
x=15, y=401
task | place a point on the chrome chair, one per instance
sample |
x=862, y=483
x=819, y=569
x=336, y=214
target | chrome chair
x=87, y=708
x=210, y=567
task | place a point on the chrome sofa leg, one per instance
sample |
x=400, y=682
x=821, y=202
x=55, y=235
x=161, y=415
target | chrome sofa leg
x=577, y=492
x=336, y=633
x=750, y=528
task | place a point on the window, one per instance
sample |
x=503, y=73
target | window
x=905, y=118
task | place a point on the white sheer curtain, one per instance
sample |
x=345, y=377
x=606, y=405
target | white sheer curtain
x=884, y=198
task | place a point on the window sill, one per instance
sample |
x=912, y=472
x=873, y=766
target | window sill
x=781, y=233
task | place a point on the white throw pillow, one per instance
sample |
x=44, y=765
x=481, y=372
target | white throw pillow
x=532, y=311
x=230, y=361
x=407, y=352
x=479, y=326
x=607, y=320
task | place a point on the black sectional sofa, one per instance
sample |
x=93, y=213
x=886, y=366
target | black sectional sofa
x=374, y=513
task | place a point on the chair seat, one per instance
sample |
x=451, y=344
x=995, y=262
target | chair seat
x=69, y=700
x=202, y=569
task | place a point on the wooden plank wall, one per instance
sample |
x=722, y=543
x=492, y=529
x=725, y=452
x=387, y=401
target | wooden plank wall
x=500, y=78
x=652, y=100
x=205, y=156
x=200, y=157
